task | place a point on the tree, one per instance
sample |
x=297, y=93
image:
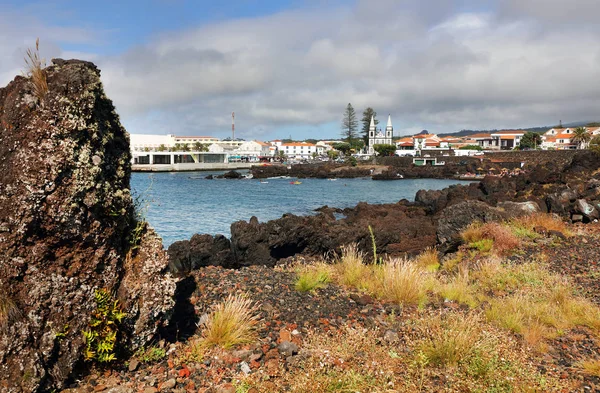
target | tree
x=332, y=154
x=200, y=146
x=343, y=147
x=349, y=124
x=185, y=147
x=366, y=123
x=595, y=144
x=357, y=144
x=530, y=140
x=385, y=150
x=161, y=148
x=177, y=147
x=581, y=137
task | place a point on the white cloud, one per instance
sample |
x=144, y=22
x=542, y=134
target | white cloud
x=438, y=66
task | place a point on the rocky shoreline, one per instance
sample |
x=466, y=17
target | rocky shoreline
x=564, y=187
x=92, y=302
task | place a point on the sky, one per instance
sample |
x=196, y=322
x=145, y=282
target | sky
x=289, y=68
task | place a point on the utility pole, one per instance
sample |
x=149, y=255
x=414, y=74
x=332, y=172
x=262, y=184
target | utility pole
x=232, y=126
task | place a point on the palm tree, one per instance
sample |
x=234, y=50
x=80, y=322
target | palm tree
x=581, y=137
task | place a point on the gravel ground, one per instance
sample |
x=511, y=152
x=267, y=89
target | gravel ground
x=286, y=316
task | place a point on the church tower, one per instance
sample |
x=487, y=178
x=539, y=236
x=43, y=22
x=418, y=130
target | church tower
x=389, y=131
x=372, y=131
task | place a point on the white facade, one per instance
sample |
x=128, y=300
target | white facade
x=254, y=149
x=378, y=137
x=298, y=150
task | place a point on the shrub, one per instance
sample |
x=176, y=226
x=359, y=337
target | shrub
x=232, y=322
x=101, y=335
x=35, y=70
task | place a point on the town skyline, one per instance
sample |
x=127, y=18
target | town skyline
x=289, y=67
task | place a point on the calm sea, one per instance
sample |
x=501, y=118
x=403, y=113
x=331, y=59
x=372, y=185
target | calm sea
x=180, y=204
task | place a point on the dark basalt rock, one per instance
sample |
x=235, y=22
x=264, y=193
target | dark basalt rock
x=67, y=226
x=230, y=175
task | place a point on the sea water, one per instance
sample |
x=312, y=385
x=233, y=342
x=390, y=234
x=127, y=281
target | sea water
x=180, y=204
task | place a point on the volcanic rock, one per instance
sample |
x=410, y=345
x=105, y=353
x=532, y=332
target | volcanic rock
x=68, y=228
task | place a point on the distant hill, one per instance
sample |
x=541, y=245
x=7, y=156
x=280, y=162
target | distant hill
x=539, y=130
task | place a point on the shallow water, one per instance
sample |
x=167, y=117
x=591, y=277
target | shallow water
x=180, y=204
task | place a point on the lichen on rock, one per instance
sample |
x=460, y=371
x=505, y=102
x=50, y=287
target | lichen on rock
x=66, y=218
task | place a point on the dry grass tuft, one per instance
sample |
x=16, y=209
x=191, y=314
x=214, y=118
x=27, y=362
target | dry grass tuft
x=590, y=367
x=490, y=236
x=351, y=267
x=8, y=310
x=232, y=322
x=454, y=339
x=403, y=282
x=35, y=70
x=428, y=260
x=548, y=221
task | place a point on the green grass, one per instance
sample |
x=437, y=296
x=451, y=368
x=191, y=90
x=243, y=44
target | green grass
x=310, y=280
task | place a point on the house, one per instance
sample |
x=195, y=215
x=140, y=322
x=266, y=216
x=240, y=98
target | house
x=483, y=140
x=506, y=139
x=253, y=150
x=561, y=138
x=299, y=150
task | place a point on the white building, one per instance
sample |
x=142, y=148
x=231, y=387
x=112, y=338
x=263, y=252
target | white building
x=298, y=150
x=378, y=137
x=254, y=149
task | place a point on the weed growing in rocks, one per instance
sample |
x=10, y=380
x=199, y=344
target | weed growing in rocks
x=151, y=354
x=101, y=335
x=231, y=323
x=428, y=260
x=8, y=310
x=35, y=70
x=315, y=277
x=454, y=339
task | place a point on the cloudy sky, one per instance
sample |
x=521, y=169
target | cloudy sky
x=289, y=67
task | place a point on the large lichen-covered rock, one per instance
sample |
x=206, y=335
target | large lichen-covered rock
x=67, y=228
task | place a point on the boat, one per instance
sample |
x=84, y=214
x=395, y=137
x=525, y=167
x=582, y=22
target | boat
x=332, y=179
x=249, y=176
x=296, y=182
x=263, y=182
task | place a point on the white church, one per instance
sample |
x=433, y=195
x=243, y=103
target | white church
x=378, y=137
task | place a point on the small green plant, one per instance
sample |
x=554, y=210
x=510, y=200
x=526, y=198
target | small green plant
x=313, y=278
x=483, y=245
x=151, y=354
x=101, y=335
x=136, y=235
x=63, y=333
x=374, y=244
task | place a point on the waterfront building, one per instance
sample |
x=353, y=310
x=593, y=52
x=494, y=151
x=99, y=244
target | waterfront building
x=560, y=138
x=378, y=137
x=298, y=150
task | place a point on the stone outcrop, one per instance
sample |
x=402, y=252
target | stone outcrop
x=68, y=228
x=399, y=229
